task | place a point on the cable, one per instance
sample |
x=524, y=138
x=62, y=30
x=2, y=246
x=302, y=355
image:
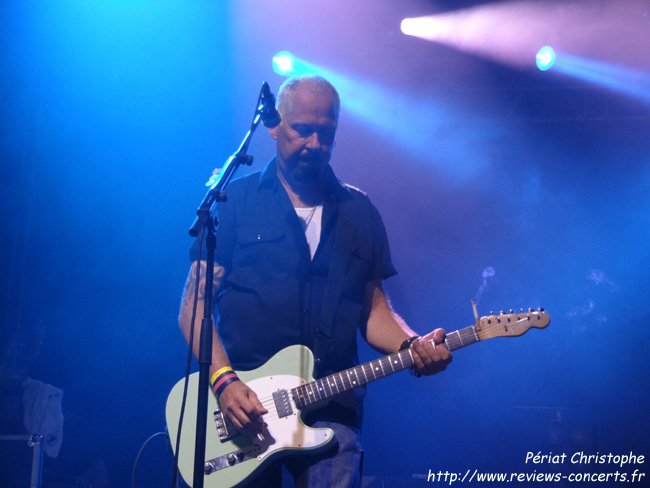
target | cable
x=189, y=361
x=137, y=458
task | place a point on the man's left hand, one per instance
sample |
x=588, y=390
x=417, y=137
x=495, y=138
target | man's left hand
x=430, y=354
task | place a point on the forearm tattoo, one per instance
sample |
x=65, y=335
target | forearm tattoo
x=191, y=284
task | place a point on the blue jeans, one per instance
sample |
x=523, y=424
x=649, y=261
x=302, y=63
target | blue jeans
x=338, y=467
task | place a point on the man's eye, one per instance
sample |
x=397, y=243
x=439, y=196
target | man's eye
x=303, y=130
x=325, y=135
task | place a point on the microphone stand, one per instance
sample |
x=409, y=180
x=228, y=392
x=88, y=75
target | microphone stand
x=206, y=220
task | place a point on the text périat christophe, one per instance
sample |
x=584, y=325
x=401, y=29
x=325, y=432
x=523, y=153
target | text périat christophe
x=580, y=457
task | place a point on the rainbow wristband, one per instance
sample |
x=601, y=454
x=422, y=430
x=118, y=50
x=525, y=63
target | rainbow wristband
x=219, y=372
x=223, y=381
x=221, y=385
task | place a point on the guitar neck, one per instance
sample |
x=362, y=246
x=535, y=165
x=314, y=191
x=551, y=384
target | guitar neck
x=325, y=388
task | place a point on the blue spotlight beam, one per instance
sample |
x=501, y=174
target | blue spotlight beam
x=412, y=123
x=625, y=80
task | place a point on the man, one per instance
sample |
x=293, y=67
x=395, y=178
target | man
x=300, y=260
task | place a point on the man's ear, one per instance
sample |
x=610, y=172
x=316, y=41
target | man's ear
x=273, y=132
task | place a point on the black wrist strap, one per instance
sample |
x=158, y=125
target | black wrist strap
x=407, y=343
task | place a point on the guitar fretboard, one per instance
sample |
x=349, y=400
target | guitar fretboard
x=325, y=388
x=461, y=338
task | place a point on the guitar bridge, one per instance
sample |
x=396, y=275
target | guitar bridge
x=225, y=427
x=282, y=403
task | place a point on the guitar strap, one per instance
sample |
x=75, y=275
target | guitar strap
x=345, y=242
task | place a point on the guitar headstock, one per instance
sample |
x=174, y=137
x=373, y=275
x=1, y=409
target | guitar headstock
x=511, y=324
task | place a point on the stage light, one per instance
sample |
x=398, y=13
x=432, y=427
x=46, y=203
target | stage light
x=284, y=63
x=545, y=58
x=408, y=26
x=424, y=27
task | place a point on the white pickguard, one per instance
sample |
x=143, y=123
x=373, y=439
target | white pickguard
x=288, y=432
x=290, y=368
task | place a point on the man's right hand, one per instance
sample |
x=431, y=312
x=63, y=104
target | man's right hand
x=243, y=408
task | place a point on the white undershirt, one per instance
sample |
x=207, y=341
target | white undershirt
x=311, y=218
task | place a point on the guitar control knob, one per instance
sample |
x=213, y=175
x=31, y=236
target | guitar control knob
x=231, y=459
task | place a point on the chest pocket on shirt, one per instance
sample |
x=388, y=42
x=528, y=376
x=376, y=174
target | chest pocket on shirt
x=358, y=273
x=263, y=255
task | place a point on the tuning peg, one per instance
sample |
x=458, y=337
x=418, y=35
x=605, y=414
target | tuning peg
x=512, y=311
x=541, y=309
x=502, y=312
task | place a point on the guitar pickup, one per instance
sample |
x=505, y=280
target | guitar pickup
x=225, y=428
x=282, y=403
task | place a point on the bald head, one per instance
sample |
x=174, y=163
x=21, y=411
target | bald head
x=314, y=84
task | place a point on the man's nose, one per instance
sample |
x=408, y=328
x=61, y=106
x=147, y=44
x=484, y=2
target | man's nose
x=313, y=141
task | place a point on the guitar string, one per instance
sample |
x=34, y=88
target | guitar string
x=269, y=402
x=344, y=382
x=487, y=327
x=337, y=384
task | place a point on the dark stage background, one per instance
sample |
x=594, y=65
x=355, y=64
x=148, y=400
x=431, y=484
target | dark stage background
x=506, y=185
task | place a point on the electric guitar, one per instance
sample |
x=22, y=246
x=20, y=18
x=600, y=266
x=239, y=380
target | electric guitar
x=285, y=386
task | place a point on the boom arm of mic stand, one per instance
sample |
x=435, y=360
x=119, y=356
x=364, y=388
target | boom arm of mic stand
x=216, y=193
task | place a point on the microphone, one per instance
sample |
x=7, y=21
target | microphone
x=270, y=116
